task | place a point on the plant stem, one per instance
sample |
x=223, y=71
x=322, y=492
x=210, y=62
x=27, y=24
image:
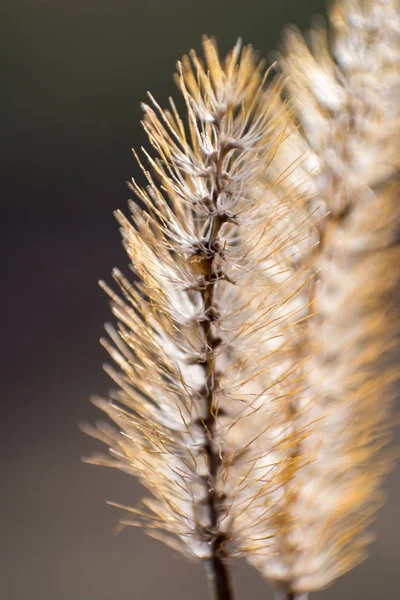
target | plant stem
x=288, y=595
x=219, y=579
x=217, y=570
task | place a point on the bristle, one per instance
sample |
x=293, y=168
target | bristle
x=255, y=352
x=346, y=92
x=205, y=355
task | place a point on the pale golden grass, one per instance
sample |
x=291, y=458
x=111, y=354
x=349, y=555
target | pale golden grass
x=206, y=344
x=256, y=352
x=346, y=93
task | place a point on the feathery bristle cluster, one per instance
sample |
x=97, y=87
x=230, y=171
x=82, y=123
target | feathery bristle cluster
x=347, y=98
x=255, y=348
x=206, y=345
x=348, y=104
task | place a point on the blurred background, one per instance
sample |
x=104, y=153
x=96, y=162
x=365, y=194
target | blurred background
x=75, y=72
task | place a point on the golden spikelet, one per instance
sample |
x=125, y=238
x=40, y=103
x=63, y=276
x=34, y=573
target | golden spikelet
x=346, y=91
x=207, y=335
x=256, y=348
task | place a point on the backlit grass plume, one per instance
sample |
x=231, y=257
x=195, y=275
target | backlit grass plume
x=256, y=346
x=206, y=344
x=346, y=91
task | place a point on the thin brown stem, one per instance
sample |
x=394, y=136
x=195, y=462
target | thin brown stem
x=288, y=595
x=217, y=570
x=219, y=579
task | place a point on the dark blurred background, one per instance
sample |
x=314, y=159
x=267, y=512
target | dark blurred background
x=75, y=72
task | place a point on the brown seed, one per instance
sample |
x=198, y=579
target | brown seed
x=200, y=264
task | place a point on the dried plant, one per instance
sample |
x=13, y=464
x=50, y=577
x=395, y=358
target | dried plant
x=346, y=91
x=207, y=335
x=255, y=348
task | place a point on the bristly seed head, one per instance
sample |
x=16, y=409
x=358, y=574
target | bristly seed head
x=204, y=351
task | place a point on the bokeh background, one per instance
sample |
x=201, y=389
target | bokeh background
x=75, y=72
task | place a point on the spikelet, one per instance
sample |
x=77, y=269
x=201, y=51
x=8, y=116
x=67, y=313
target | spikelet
x=347, y=97
x=206, y=347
